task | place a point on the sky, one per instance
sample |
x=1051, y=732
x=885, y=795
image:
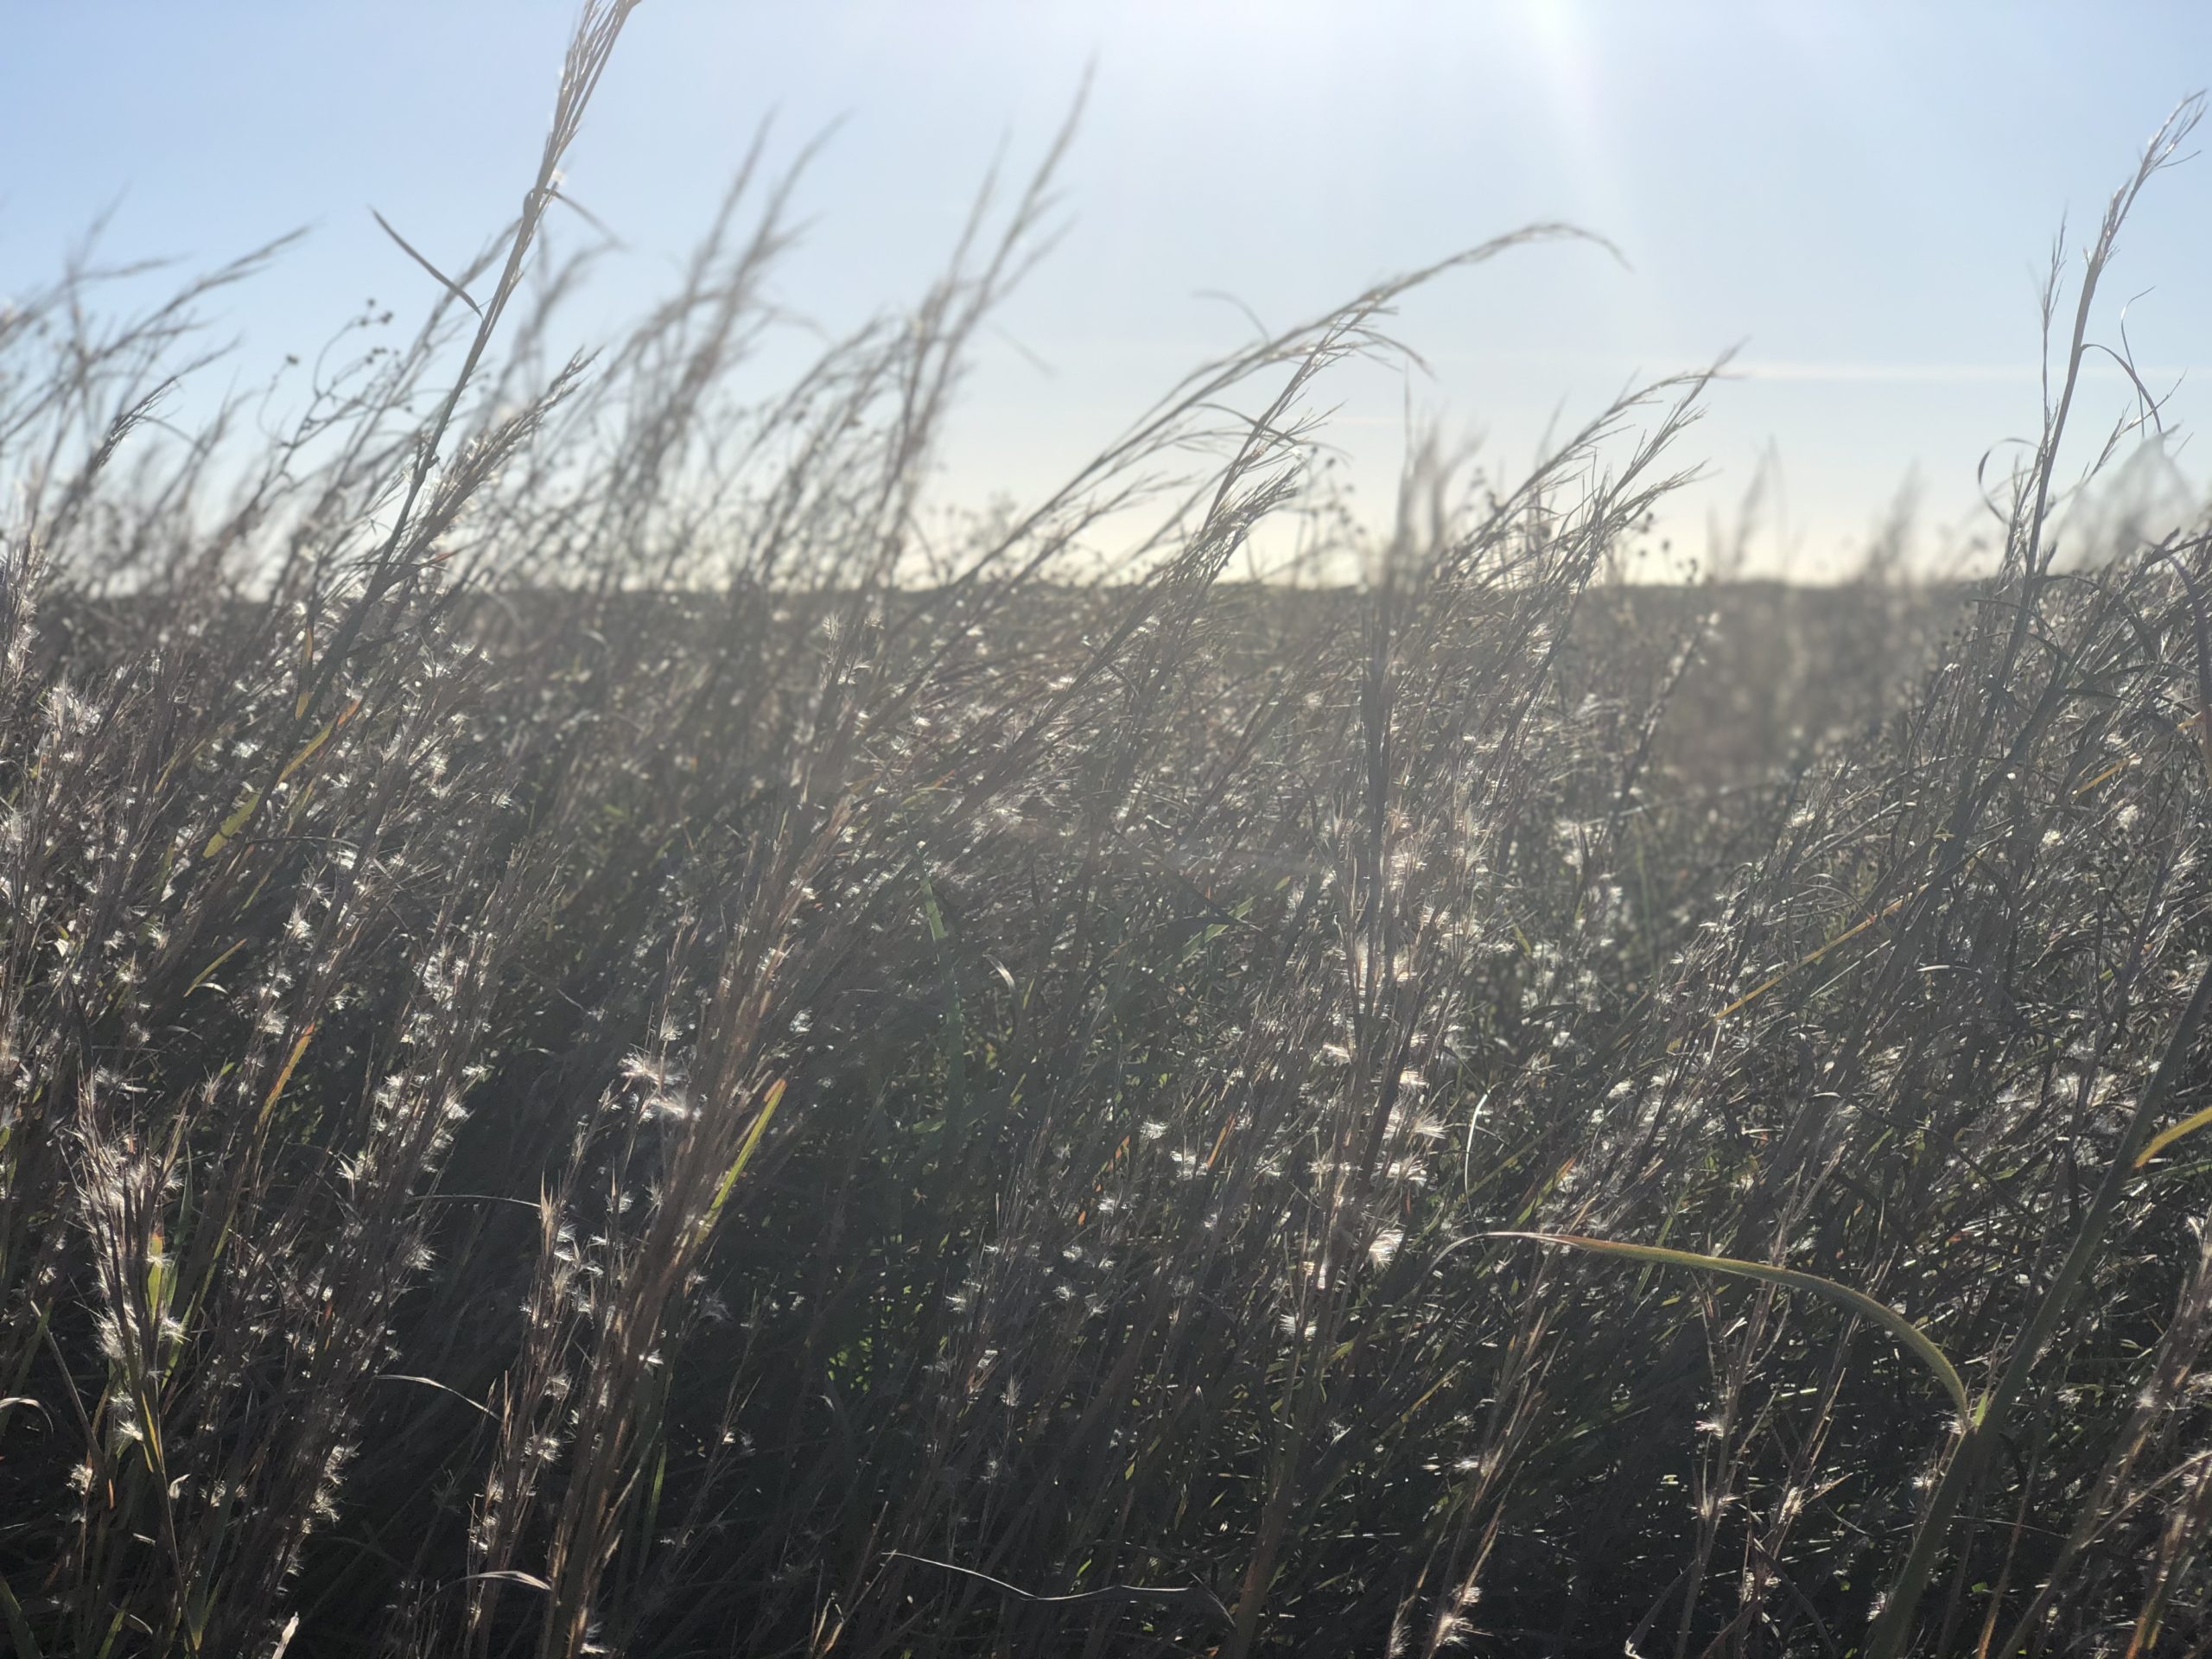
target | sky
x=1859, y=198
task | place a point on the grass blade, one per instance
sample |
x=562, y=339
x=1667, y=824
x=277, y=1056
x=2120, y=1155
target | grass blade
x=19, y=1628
x=2166, y=1137
x=1909, y=1335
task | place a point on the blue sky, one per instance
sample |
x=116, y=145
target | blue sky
x=1860, y=195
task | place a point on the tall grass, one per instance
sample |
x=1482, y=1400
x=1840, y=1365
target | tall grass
x=612, y=1045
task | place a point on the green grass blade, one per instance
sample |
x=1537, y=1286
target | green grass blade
x=1916, y=1340
x=19, y=1628
x=2165, y=1138
x=768, y=1105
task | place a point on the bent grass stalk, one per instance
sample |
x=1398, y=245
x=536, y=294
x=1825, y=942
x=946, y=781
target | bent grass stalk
x=1910, y=1335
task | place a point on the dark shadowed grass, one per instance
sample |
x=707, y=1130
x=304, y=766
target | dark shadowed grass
x=608, y=1049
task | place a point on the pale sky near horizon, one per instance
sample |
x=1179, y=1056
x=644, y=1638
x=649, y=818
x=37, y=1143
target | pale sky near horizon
x=1861, y=196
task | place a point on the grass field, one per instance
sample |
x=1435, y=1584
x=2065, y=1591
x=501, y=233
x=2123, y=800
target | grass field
x=605, y=1048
